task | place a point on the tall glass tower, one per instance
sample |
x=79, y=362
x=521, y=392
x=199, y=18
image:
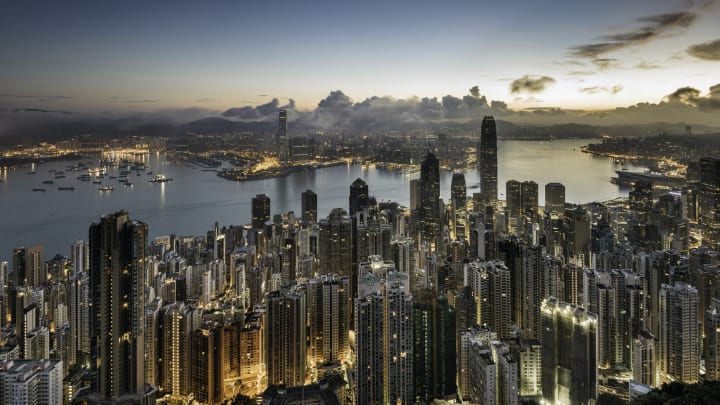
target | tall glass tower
x=487, y=156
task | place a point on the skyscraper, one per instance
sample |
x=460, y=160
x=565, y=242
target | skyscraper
x=118, y=254
x=281, y=141
x=359, y=197
x=679, y=341
x=260, y=211
x=430, y=196
x=285, y=334
x=487, y=156
x=555, y=198
x=308, y=206
x=458, y=193
x=569, y=353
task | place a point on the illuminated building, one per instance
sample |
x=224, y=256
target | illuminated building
x=285, y=336
x=643, y=367
x=329, y=312
x=458, y=193
x=359, y=197
x=281, y=139
x=679, y=341
x=430, y=197
x=434, y=348
x=31, y=382
x=569, y=354
x=384, y=339
x=118, y=254
x=490, y=282
x=487, y=157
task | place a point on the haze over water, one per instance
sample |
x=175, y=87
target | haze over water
x=196, y=199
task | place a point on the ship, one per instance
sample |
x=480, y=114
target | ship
x=160, y=178
x=66, y=188
x=38, y=189
x=48, y=182
x=105, y=188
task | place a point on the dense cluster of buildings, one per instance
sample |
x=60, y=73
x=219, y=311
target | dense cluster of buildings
x=472, y=300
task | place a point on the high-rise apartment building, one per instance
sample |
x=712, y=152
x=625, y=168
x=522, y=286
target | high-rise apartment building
x=555, y=198
x=118, y=255
x=285, y=336
x=359, y=197
x=679, y=340
x=31, y=382
x=458, y=192
x=569, y=354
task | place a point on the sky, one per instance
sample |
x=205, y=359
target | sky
x=112, y=56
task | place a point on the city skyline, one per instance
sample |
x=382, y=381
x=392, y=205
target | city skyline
x=635, y=62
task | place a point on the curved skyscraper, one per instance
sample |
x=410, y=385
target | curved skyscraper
x=487, y=156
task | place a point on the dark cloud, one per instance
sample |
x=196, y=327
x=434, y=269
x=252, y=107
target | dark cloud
x=706, y=51
x=652, y=27
x=475, y=91
x=691, y=97
x=205, y=100
x=602, y=89
x=530, y=84
x=40, y=110
x=253, y=113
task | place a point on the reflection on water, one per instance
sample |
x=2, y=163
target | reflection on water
x=195, y=199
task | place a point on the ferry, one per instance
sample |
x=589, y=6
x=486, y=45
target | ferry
x=105, y=188
x=160, y=178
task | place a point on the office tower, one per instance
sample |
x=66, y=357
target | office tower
x=490, y=282
x=643, y=358
x=260, y=211
x=28, y=266
x=31, y=382
x=430, y=196
x=513, y=195
x=359, y=196
x=4, y=293
x=334, y=250
x=403, y=255
x=384, y=339
x=434, y=348
x=487, y=156
x=285, y=336
x=329, y=312
x=288, y=260
x=679, y=342
x=414, y=194
x=281, y=139
x=569, y=350
x=576, y=230
x=530, y=200
x=118, y=254
x=458, y=193
x=308, y=203
x=555, y=198
x=301, y=149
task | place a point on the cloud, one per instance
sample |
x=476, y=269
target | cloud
x=142, y=101
x=652, y=27
x=530, y=84
x=691, y=97
x=602, y=89
x=706, y=51
x=605, y=63
x=646, y=66
x=249, y=113
x=581, y=73
x=40, y=110
x=206, y=100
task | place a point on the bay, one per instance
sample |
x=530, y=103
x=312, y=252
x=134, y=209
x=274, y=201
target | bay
x=196, y=199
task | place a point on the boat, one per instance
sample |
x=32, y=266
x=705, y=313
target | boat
x=160, y=178
x=32, y=172
x=66, y=188
x=97, y=182
x=105, y=188
x=38, y=189
x=113, y=177
x=128, y=184
x=48, y=182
